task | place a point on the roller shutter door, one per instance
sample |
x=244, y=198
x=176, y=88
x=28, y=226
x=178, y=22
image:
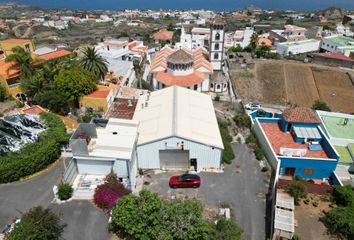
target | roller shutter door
x=94, y=166
x=178, y=159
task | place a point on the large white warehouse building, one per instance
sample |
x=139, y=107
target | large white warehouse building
x=178, y=129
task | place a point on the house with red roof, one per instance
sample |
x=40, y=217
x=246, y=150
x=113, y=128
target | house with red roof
x=183, y=67
x=334, y=59
x=295, y=144
x=163, y=36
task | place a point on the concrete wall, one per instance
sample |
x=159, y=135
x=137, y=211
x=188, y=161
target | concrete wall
x=207, y=157
x=321, y=168
x=70, y=172
x=263, y=141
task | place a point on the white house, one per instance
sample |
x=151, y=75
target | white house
x=298, y=47
x=99, y=150
x=199, y=37
x=239, y=37
x=338, y=43
x=178, y=129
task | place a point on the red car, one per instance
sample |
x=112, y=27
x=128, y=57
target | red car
x=185, y=181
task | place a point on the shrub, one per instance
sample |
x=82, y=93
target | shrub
x=344, y=196
x=265, y=169
x=109, y=192
x=251, y=139
x=2, y=93
x=217, y=98
x=227, y=154
x=341, y=221
x=35, y=156
x=226, y=230
x=38, y=223
x=259, y=153
x=296, y=237
x=297, y=190
x=242, y=120
x=319, y=105
x=65, y=191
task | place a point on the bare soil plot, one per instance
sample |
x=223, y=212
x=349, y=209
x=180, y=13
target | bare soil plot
x=247, y=87
x=309, y=222
x=270, y=77
x=336, y=89
x=300, y=85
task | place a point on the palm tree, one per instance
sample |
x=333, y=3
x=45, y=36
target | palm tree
x=22, y=60
x=93, y=62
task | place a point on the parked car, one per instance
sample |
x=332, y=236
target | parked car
x=252, y=106
x=185, y=181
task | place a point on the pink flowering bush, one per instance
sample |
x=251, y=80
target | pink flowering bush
x=109, y=192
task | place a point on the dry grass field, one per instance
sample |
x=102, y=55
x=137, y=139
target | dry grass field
x=336, y=89
x=300, y=85
x=284, y=82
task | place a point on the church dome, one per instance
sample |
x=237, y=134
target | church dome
x=180, y=57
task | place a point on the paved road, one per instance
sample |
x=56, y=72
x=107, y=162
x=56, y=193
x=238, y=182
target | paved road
x=242, y=185
x=19, y=197
x=84, y=221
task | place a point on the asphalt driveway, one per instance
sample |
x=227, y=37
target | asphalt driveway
x=242, y=185
x=83, y=220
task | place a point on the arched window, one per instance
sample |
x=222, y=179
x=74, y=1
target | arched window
x=217, y=36
x=216, y=46
x=216, y=55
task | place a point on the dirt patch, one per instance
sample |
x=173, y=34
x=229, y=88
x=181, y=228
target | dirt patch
x=300, y=85
x=336, y=89
x=309, y=225
x=284, y=82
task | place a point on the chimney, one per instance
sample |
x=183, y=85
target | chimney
x=130, y=103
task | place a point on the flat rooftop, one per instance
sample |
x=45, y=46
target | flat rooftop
x=279, y=139
x=116, y=140
x=344, y=155
x=336, y=127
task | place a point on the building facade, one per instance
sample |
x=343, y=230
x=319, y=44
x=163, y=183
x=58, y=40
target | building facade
x=217, y=40
x=183, y=67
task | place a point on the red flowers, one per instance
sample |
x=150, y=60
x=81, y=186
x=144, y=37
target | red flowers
x=106, y=194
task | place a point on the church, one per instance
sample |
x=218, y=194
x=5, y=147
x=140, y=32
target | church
x=193, y=68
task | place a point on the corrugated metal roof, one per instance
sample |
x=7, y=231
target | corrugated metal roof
x=284, y=220
x=180, y=112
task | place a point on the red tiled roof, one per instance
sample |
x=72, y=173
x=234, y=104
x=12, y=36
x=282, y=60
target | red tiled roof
x=34, y=110
x=335, y=55
x=4, y=66
x=56, y=54
x=182, y=81
x=163, y=34
x=278, y=139
x=121, y=109
x=98, y=94
x=300, y=115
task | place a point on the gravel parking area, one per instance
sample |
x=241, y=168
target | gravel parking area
x=242, y=185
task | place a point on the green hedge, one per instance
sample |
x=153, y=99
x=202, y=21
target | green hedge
x=36, y=156
x=227, y=154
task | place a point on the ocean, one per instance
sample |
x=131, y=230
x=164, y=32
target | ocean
x=217, y=5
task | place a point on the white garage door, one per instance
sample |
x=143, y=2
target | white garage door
x=94, y=166
x=174, y=159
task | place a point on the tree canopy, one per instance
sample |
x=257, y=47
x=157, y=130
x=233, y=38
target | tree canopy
x=93, y=62
x=39, y=224
x=22, y=60
x=75, y=82
x=319, y=105
x=147, y=216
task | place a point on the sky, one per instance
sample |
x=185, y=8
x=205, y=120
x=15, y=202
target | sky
x=188, y=4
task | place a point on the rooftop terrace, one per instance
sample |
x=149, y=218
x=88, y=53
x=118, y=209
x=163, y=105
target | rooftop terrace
x=336, y=128
x=279, y=139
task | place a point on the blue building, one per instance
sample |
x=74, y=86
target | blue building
x=295, y=144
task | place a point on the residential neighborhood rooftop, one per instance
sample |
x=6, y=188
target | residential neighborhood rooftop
x=122, y=108
x=300, y=115
x=279, y=139
x=336, y=128
x=335, y=55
